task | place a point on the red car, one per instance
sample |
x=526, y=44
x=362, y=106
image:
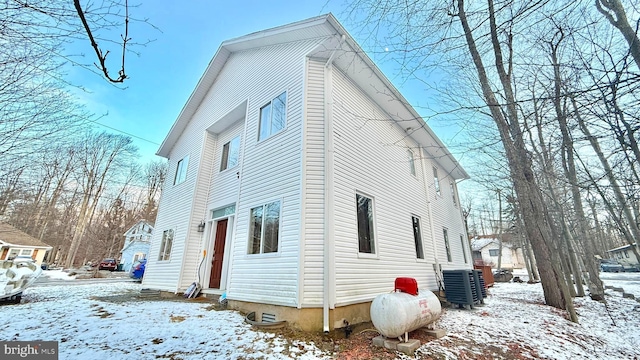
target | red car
x=108, y=264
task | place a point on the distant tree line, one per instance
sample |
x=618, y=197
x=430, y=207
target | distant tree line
x=61, y=181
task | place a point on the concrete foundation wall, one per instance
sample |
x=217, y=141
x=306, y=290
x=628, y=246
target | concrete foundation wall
x=307, y=319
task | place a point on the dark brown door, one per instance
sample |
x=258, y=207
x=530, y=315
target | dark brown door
x=218, y=254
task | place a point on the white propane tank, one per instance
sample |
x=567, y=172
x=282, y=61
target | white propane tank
x=395, y=313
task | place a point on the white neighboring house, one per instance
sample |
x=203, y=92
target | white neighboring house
x=136, y=244
x=487, y=248
x=317, y=182
x=14, y=242
x=625, y=256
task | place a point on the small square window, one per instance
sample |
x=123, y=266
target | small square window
x=273, y=117
x=366, y=243
x=230, y=154
x=181, y=171
x=494, y=252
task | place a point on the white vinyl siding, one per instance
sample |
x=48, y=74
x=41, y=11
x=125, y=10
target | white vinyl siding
x=314, y=187
x=255, y=76
x=223, y=188
x=364, y=162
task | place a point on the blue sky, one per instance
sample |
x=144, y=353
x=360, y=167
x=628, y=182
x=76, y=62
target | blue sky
x=167, y=69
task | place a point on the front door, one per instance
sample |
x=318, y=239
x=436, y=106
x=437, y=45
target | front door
x=218, y=254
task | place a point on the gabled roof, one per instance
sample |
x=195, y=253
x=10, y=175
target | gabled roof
x=349, y=57
x=480, y=242
x=128, y=232
x=624, y=247
x=12, y=236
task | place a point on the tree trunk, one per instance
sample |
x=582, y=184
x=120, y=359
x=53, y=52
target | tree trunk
x=631, y=221
x=596, y=289
x=528, y=193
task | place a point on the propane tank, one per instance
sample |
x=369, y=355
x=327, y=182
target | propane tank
x=396, y=313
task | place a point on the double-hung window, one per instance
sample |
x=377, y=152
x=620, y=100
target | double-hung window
x=230, y=154
x=453, y=193
x=273, y=117
x=436, y=181
x=366, y=240
x=165, y=245
x=464, y=248
x=417, y=237
x=412, y=164
x=264, y=228
x=181, y=170
x=446, y=244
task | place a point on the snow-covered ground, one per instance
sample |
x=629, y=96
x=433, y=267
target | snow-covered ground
x=513, y=324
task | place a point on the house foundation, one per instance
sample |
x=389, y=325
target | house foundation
x=306, y=319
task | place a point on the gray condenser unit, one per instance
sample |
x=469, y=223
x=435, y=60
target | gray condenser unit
x=460, y=287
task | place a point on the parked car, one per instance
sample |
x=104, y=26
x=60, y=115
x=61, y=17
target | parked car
x=108, y=264
x=610, y=265
x=137, y=270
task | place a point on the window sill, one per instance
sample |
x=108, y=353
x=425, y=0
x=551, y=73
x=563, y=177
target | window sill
x=236, y=166
x=367, y=256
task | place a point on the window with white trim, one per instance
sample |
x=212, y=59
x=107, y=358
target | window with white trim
x=417, y=237
x=181, y=170
x=464, y=248
x=165, y=245
x=453, y=193
x=230, y=154
x=366, y=240
x=26, y=252
x=494, y=252
x=446, y=244
x=436, y=181
x=264, y=228
x=412, y=164
x=273, y=117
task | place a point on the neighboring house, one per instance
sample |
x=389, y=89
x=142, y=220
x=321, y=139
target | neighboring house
x=625, y=256
x=136, y=244
x=14, y=242
x=487, y=248
x=315, y=182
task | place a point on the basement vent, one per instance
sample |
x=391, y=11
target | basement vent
x=268, y=318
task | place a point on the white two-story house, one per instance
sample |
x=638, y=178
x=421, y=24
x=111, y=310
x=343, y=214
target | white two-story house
x=301, y=183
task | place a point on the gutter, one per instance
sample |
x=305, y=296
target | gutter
x=328, y=191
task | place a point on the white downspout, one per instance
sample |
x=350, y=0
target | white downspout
x=436, y=264
x=328, y=190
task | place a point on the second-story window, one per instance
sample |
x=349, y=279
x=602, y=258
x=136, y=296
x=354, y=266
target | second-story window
x=436, y=181
x=230, y=154
x=273, y=117
x=412, y=164
x=181, y=171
